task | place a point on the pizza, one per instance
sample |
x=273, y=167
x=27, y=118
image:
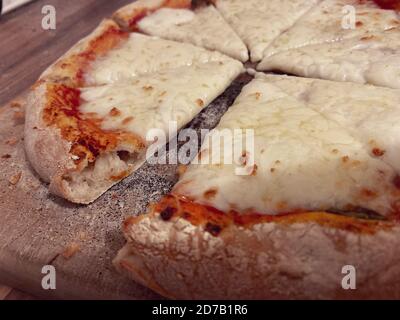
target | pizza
x=88, y=115
x=259, y=22
x=317, y=198
x=372, y=59
x=332, y=21
x=311, y=182
x=367, y=53
x=202, y=26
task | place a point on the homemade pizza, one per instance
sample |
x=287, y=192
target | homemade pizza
x=90, y=112
x=311, y=187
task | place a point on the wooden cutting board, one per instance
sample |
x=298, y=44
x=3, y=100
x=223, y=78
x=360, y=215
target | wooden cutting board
x=39, y=229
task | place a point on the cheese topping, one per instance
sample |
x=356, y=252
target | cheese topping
x=166, y=18
x=141, y=54
x=370, y=114
x=374, y=59
x=259, y=22
x=304, y=160
x=152, y=101
x=205, y=27
x=327, y=22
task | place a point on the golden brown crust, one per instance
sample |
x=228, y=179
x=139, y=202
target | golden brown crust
x=128, y=16
x=70, y=69
x=269, y=260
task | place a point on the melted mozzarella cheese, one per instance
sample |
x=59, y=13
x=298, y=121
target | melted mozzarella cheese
x=374, y=59
x=370, y=114
x=303, y=160
x=141, y=54
x=259, y=22
x=166, y=18
x=205, y=27
x=330, y=21
x=152, y=101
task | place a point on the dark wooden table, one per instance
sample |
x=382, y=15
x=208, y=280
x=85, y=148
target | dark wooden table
x=26, y=50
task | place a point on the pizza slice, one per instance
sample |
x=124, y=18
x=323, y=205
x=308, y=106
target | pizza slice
x=110, y=55
x=373, y=59
x=315, y=199
x=86, y=129
x=202, y=26
x=335, y=20
x=259, y=22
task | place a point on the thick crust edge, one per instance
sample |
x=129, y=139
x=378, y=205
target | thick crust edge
x=49, y=155
x=47, y=152
x=66, y=75
x=266, y=261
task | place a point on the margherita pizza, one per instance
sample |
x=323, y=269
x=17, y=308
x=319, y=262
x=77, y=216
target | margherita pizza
x=316, y=188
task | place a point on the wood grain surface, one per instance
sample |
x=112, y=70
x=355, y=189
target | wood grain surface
x=39, y=229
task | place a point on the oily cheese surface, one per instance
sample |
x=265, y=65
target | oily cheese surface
x=298, y=147
x=248, y=19
x=373, y=59
x=99, y=101
x=327, y=22
x=204, y=27
x=152, y=101
x=140, y=55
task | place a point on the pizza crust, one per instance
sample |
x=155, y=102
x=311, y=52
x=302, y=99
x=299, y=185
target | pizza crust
x=266, y=261
x=45, y=148
x=66, y=68
x=50, y=155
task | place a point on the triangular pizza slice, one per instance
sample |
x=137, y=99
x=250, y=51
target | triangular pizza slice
x=110, y=55
x=316, y=190
x=373, y=59
x=324, y=137
x=335, y=20
x=259, y=22
x=201, y=25
x=88, y=116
